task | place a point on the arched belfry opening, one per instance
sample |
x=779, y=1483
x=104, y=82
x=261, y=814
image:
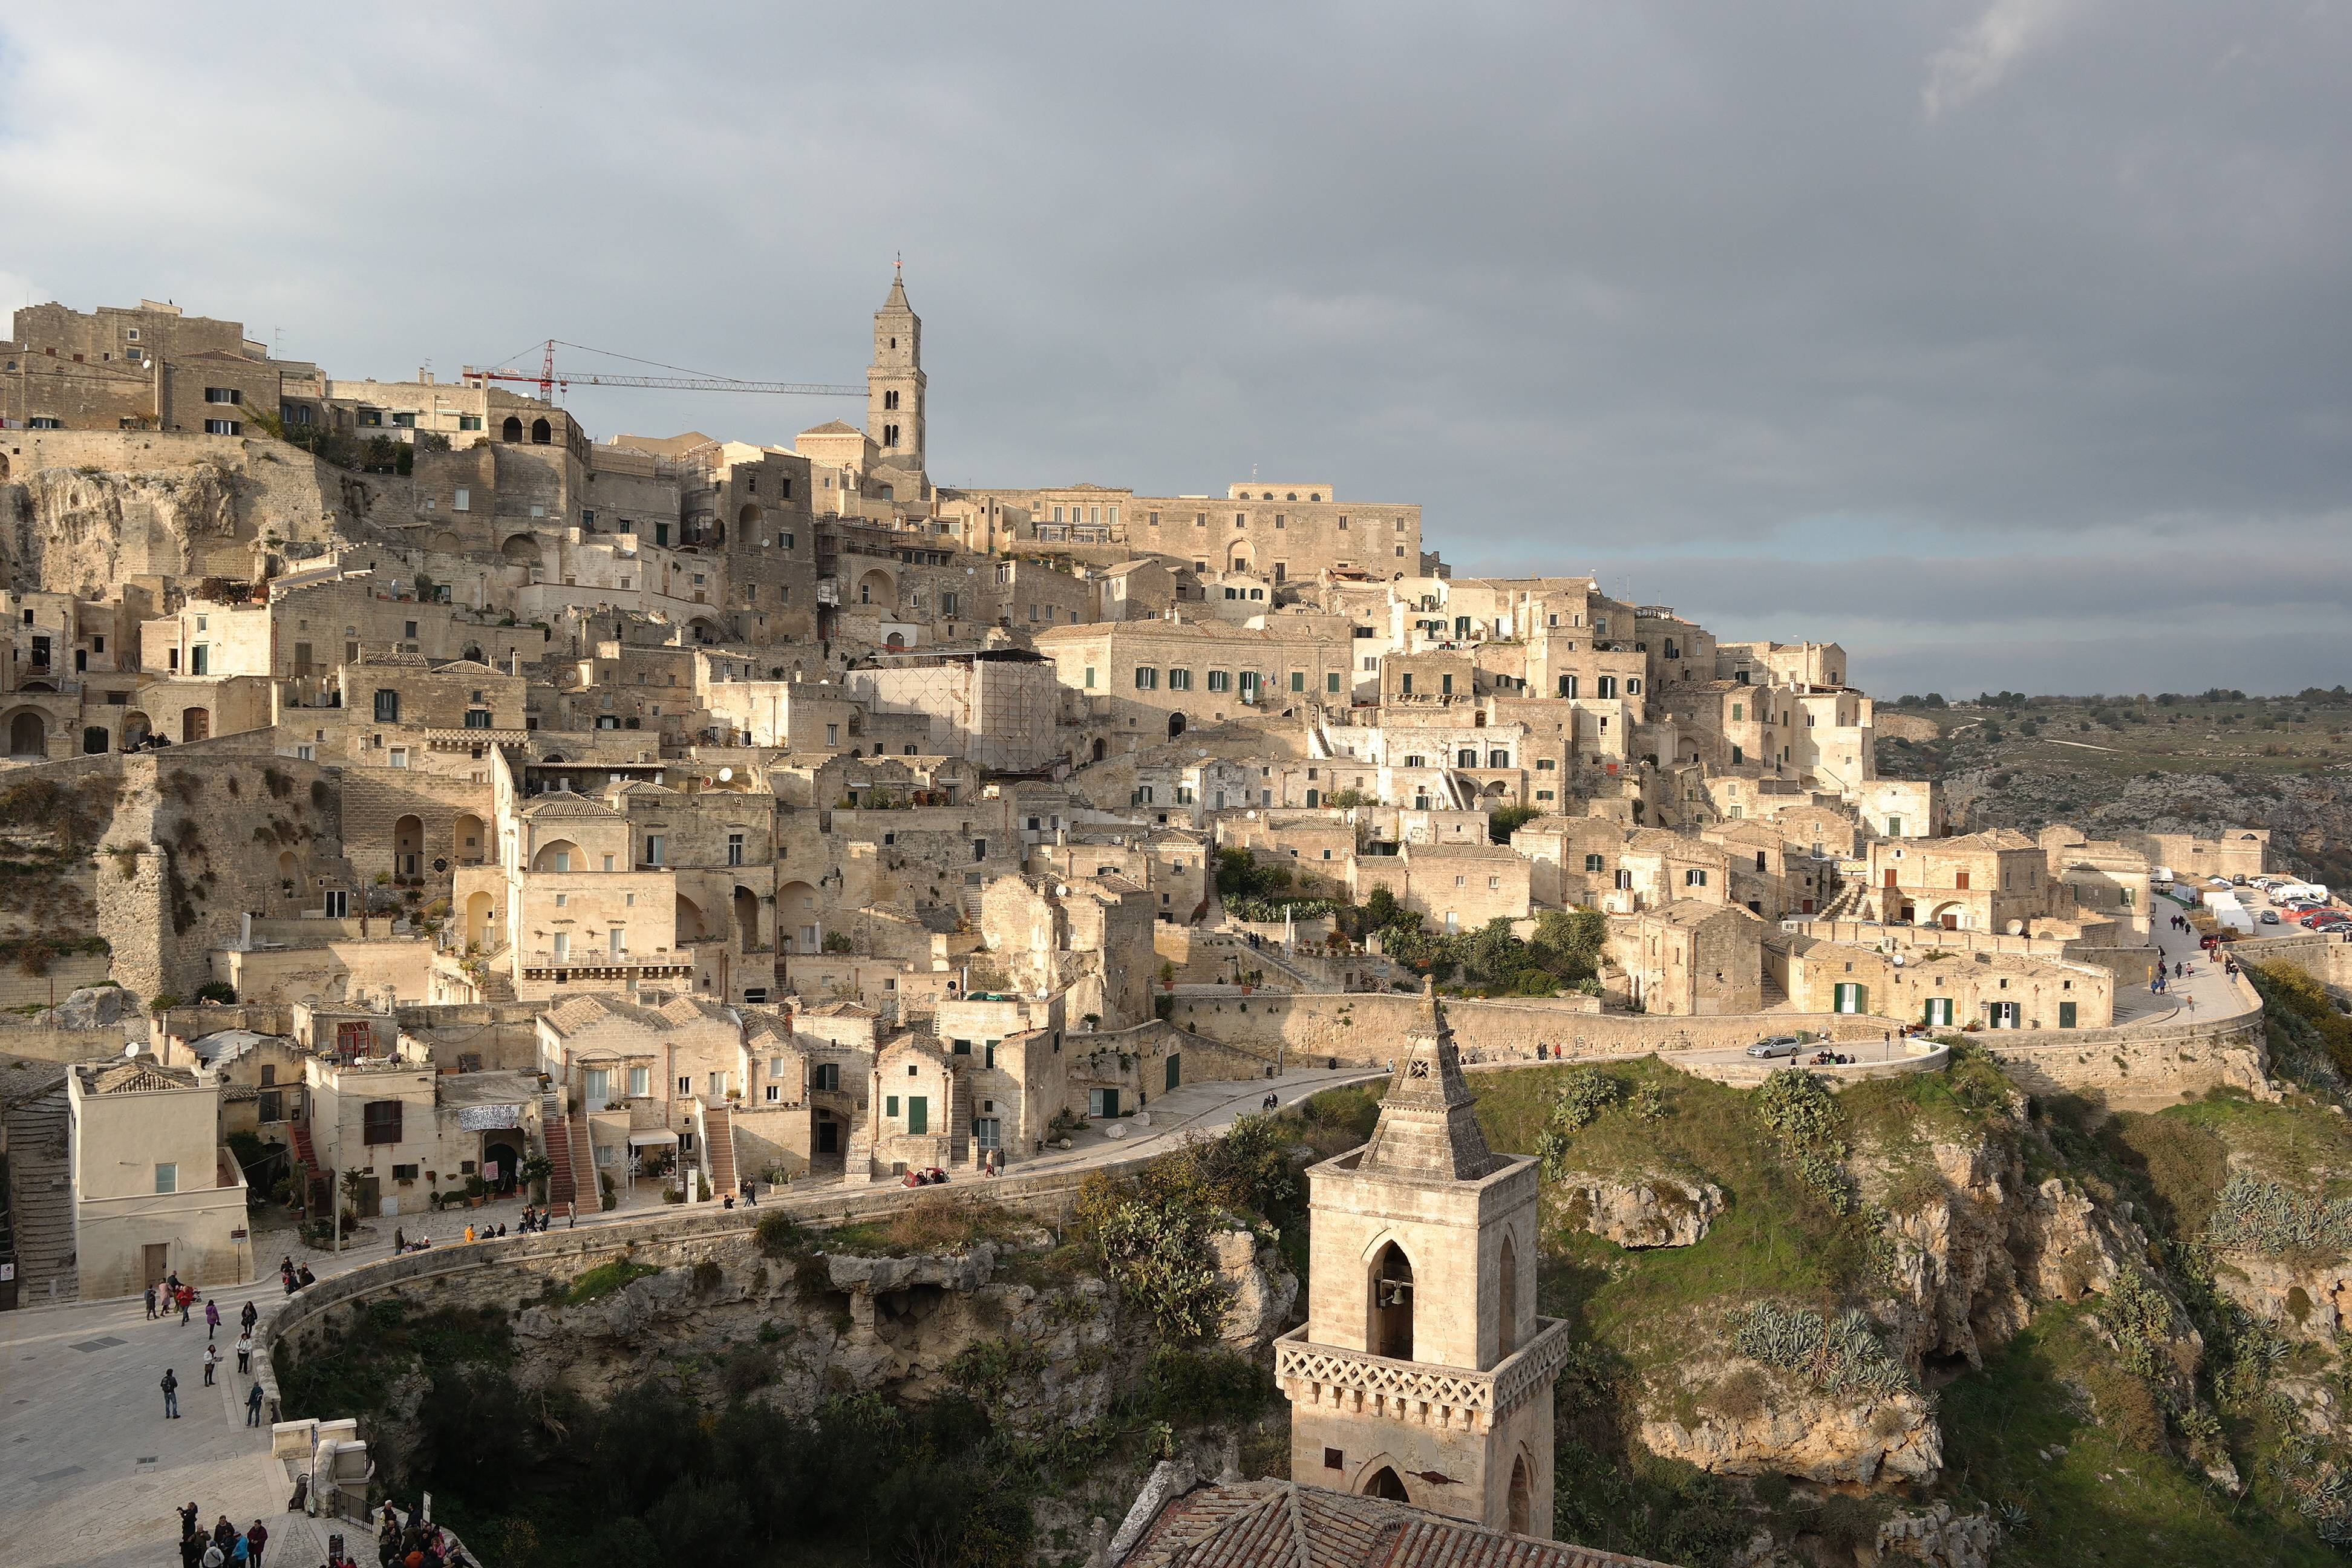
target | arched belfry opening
x=1391, y=1333
x=1385, y=1482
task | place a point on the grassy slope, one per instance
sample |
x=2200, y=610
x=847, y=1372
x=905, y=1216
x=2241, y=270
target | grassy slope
x=2116, y=1496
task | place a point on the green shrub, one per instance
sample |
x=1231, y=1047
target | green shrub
x=1835, y=1355
x=605, y=1279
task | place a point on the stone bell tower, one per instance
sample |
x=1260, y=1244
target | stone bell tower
x=893, y=394
x=1423, y=1374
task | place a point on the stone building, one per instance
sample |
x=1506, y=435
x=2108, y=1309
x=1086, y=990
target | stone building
x=918, y=1112
x=1423, y=1374
x=1689, y=958
x=153, y=1192
x=1997, y=880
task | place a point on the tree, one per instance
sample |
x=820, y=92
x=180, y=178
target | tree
x=1505, y=820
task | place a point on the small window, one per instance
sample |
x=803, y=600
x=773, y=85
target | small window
x=167, y=1178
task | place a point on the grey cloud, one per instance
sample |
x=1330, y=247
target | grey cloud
x=1634, y=282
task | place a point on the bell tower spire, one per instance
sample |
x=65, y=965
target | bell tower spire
x=1423, y=1374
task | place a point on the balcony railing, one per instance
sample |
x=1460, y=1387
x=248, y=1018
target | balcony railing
x=1419, y=1391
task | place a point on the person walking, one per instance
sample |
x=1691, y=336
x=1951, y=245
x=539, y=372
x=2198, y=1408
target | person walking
x=212, y=1317
x=184, y=1298
x=255, y=1540
x=150, y=1303
x=170, y=1394
x=245, y=1353
x=247, y=1319
x=211, y=1360
x=253, y=1406
x=469, y=1233
x=399, y=1242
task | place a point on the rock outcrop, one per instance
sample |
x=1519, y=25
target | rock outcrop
x=1647, y=1211
x=1939, y=1538
x=1261, y=1294
x=1748, y=1419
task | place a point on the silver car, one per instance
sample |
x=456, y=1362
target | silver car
x=1777, y=1046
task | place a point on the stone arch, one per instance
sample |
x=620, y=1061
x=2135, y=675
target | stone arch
x=512, y=430
x=706, y=630
x=560, y=855
x=1518, y=1511
x=1102, y=748
x=1238, y=559
x=471, y=837
x=1952, y=915
x=541, y=432
x=287, y=868
x=748, y=517
x=1388, y=1302
x=195, y=724
x=473, y=651
x=691, y=924
x=479, y=908
x=445, y=544
x=896, y=640
x=519, y=549
x=747, y=919
x=136, y=728
x=1385, y=1483
x=1175, y=725
x=408, y=846
x=796, y=919
x=28, y=734
x=878, y=587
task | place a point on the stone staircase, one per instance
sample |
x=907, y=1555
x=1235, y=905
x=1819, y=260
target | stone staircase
x=558, y=1133
x=41, y=1176
x=718, y=1141
x=583, y=1165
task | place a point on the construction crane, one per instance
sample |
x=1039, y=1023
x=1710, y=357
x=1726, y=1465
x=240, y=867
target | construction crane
x=551, y=380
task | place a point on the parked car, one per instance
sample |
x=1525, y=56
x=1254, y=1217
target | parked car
x=2328, y=919
x=2269, y=917
x=2237, y=882
x=1777, y=1046
x=2217, y=881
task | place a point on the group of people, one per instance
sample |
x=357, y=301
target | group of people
x=294, y=1276
x=221, y=1545
x=416, y=1545
x=163, y=1298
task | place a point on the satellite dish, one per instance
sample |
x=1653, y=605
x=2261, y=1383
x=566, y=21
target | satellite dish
x=1898, y=961
x=725, y=774
x=130, y=1048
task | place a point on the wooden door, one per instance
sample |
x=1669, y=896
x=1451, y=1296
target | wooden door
x=155, y=1261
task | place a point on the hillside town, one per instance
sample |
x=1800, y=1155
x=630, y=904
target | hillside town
x=426, y=817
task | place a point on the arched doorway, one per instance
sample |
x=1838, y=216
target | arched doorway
x=512, y=430
x=541, y=431
x=1102, y=748
x=136, y=728
x=409, y=846
x=1175, y=725
x=28, y=735
x=748, y=517
x=1386, y=1483
x=895, y=641
x=747, y=919
x=499, y=1149
x=287, y=868
x=479, y=908
x=1522, y=1498
x=1390, y=1304
x=796, y=922
x=195, y=724
x=690, y=926
x=469, y=836
x=473, y=651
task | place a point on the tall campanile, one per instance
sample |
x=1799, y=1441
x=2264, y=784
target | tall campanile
x=1423, y=1374
x=894, y=394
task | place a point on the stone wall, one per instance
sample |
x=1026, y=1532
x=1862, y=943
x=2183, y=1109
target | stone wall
x=2140, y=1069
x=19, y=990
x=1365, y=1029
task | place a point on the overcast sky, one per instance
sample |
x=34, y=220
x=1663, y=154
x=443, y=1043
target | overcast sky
x=2003, y=340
